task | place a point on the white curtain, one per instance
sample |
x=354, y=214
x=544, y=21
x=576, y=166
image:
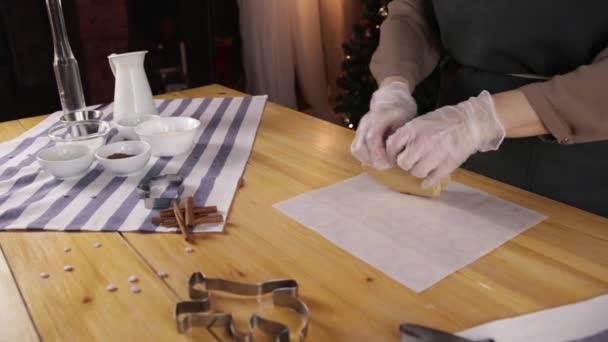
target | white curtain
x=296, y=44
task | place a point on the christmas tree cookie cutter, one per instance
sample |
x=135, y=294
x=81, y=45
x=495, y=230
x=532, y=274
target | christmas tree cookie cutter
x=160, y=191
x=197, y=311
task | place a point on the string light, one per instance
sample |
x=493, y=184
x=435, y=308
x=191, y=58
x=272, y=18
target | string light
x=356, y=73
x=383, y=12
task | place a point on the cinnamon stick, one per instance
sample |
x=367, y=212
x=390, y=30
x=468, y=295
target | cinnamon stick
x=209, y=219
x=172, y=222
x=189, y=213
x=158, y=220
x=195, y=210
x=179, y=218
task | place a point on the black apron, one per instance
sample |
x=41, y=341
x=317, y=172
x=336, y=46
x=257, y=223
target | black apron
x=485, y=41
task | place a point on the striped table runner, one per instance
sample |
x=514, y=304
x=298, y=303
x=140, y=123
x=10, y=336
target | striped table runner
x=98, y=201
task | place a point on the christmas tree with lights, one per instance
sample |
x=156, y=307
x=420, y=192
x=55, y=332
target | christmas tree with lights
x=356, y=80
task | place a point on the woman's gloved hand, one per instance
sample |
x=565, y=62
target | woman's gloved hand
x=391, y=107
x=433, y=145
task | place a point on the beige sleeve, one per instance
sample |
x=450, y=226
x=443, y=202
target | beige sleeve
x=408, y=45
x=574, y=106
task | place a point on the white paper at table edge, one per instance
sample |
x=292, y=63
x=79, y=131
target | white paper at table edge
x=563, y=323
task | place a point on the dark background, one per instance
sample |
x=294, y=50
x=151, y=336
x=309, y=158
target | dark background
x=208, y=30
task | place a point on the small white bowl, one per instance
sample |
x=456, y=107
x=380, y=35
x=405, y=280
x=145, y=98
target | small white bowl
x=126, y=127
x=169, y=136
x=66, y=160
x=139, y=150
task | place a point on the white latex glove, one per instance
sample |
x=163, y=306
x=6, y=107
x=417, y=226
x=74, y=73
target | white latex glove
x=391, y=107
x=433, y=145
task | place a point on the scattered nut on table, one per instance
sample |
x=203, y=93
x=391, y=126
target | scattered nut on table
x=68, y=268
x=67, y=249
x=44, y=275
x=135, y=289
x=111, y=287
x=188, y=249
x=97, y=244
x=162, y=274
x=132, y=279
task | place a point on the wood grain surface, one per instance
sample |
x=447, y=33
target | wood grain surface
x=562, y=260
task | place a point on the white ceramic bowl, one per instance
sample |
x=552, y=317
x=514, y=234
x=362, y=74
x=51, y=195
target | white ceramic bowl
x=126, y=127
x=169, y=136
x=139, y=150
x=65, y=160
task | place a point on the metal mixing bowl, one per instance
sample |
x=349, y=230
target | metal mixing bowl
x=80, y=116
x=92, y=133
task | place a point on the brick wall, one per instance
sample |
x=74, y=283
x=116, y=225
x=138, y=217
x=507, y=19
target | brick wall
x=103, y=28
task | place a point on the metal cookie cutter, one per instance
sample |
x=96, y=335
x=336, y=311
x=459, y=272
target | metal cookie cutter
x=158, y=192
x=195, y=313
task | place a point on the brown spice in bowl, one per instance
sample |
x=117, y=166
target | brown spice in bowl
x=119, y=156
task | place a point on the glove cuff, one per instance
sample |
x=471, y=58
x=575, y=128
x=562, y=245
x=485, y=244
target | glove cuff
x=395, y=95
x=488, y=132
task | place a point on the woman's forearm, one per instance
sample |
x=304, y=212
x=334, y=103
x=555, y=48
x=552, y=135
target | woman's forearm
x=392, y=79
x=408, y=45
x=517, y=115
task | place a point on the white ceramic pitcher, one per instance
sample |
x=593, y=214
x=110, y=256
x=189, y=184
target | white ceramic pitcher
x=132, y=94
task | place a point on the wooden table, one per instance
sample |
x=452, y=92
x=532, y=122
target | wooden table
x=562, y=260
